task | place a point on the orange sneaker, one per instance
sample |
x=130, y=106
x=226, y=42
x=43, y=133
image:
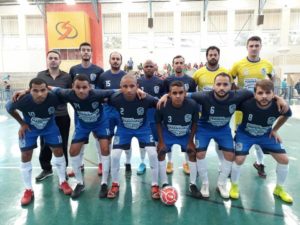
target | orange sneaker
x=186, y=168
x=113, y=191
x=155, y=193
x=64, y=186
x=27, y=197
x=100, y=169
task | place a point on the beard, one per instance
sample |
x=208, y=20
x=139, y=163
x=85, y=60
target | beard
x=221, y=94
x=213, y=62
x=115, y=66
x=264, y=102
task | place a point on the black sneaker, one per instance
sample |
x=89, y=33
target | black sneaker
x=103, y=191
x=77, y=191
x=127, y=169
x=260, y=169
x=194, y=191
x=43, y=175
x=165, y=185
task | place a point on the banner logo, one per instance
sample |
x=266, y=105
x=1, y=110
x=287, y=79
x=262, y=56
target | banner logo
x=66, y=30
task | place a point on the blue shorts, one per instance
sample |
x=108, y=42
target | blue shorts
x=110, y=114
x=222, y=137
x=50, y=134
x=100, y=130
x=171, y=140
x=244, y=142
x=123, y=137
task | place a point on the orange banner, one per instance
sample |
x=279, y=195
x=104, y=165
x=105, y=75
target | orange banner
x=67, y=29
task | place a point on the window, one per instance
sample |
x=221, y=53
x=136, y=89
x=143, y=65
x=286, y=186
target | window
x=217, y=21
x=137, y=23
x=10, y=25
x=34, y=25
x=190, y=22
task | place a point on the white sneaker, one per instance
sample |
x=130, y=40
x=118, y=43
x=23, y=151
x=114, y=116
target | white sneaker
x=222, y=189
x=205, y=190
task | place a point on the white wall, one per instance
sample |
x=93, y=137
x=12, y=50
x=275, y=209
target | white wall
x=19, y=57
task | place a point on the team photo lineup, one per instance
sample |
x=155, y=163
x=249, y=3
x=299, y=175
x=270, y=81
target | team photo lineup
x=235, y=107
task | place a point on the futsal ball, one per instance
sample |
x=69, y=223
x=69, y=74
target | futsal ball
x=168, y=195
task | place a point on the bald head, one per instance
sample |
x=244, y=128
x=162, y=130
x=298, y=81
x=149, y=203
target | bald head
x=129, y=86
x=149, y=68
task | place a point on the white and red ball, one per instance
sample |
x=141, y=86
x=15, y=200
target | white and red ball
x=168, y=195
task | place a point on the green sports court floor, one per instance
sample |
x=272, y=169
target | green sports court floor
x=134, y=204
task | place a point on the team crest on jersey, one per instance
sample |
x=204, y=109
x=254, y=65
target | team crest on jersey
x=232, y=108
x=31, y=114
x=187, y=118
x=77, y=106
x=95, y=105
x=186, y=87
x=238, y=146
x=51, y=110
x=140, y=111
x=156, y=89
x=93, y=76
x=263, y=71
x=116, y=140
x=271, y=120
x=246, y=72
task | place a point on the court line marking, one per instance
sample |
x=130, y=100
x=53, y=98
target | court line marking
x=187, y=194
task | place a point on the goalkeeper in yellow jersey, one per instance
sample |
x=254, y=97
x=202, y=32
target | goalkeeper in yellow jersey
x=247, y=71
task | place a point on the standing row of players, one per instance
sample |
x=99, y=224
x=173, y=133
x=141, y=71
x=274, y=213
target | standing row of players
x=111, y=80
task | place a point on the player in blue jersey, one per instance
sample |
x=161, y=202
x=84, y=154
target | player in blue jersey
x=260, y=124
x=111, y=79
x=153, y=86
x=190, y=86
x=217, y=107
x=132, y=122
x=38, y=109
x=176, y=124
x=92, y=72
x=86, y=67
x=90, y=117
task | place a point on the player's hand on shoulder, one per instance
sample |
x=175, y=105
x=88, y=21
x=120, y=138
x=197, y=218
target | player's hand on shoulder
x=283, y=106
x=18, y=94
x=141, y=94
x=162, y=101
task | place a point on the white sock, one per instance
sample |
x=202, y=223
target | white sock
x=143, y=154
x=153, y=161
x=259, y=154
x=169, y=154
x=281, y=172
x=202, y=170
x=76, y=163
x=225, y=171
x=60, y=163
x=193, y=172
x=163, y=172
x=105, y=166
x=128, y=156
x=98, y=150
x=235, y=173
x=115, y=164
x=26, y=170
x=186, y=156
x=81, y=154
